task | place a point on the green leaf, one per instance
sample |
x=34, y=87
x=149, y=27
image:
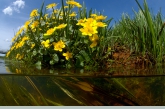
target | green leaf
x=52, y=62
x=34, y=53
x=79, y=61
x=38, y=65
x=85, y=55
x=55, y=58
x=86, y=41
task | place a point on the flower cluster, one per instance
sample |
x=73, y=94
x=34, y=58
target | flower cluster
x=90, y=27
x=55, y=37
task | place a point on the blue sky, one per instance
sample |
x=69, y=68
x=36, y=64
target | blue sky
x=13, y=13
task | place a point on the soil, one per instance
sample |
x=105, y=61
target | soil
x=123, y=57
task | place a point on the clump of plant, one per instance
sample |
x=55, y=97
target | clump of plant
x=143, y=33
x=66, y=37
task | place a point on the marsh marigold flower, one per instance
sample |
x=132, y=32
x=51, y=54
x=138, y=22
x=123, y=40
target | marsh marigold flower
x=80, y=22
x=25, y=38
x=32, y=46
x=101, y=17
x=93, y=15
x=94, y=38
x=51, y=5
x=7, y=54
x=101, y=24
x=49, y=32
x=34, y=13
x=60, y=26
x=88, y=30
x=59, y=45
x=26, y=24
x=34, y=24
x=78, y=5
x=73, y=14
x=74, y=3
x=18, y=56
x=93, y=44
x=46, y=43
x=66, y=7
x=67, y=55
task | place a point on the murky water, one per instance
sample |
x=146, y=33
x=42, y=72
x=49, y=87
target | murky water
x=20, y=85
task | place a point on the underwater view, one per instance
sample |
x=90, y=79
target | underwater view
x=22, y=86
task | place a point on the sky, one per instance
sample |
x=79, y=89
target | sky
x=14, y=13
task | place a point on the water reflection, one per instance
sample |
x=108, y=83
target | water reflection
x=8, y=67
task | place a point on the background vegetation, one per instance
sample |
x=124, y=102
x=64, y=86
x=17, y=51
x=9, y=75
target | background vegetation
x=72, y=37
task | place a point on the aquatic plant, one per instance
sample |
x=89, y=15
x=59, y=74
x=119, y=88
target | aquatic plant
x=62, y=37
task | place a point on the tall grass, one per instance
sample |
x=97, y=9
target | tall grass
x=143, y=33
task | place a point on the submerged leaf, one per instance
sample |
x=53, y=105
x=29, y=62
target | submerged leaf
x=85, y=86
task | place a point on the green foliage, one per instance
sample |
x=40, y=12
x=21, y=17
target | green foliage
x=73, y=37
x=143, y=33
x=61, y=37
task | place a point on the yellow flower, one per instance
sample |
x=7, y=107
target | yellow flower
x=7, y=54
x=71, y=2
x=59, y=45
x=51, y=5
x=101, y=24
x=89, y=27
x=46, y=43
x=13, y=46
x=34, y=13
x=32, y=46
x=90, y=22
x=74, y=3
x=34, y=24
x=88, y=30
x=61, y=14
x=26, y=24
x=93, y=44
x=55, y=11
x=78, y=5
x=80, y=22
x=66, y=7
x=93, y=15
x=94, y=38
x=25, y=38
x=49, y=32
x=60, y=26
x=73, y=14
x=101, y=17
x=18, y=70
x=67, y=55
x=18, y=56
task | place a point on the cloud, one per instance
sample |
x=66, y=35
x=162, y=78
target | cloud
x=19, y=3
x=8, y=10
x=15, y=7
x=7, y=40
